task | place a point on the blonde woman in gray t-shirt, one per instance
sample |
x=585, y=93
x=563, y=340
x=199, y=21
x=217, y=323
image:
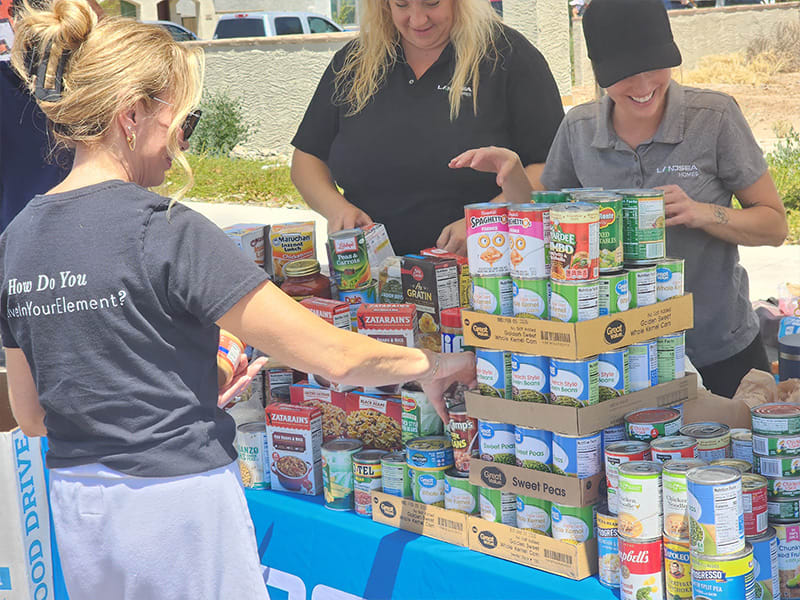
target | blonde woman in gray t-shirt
x=651, y=132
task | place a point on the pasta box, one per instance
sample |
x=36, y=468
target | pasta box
x=375, y=420
x=431, y=284
x=333, y=405
x=294, y=438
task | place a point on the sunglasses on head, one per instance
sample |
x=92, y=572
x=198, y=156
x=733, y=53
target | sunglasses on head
x=189, y=123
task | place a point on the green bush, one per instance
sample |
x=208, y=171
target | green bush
x=784, y=165
x=222, y=125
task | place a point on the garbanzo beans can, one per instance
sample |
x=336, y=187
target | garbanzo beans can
x=574, y=242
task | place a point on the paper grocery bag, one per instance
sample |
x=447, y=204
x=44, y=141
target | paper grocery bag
x=718, y=409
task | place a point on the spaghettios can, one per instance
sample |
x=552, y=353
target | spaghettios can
x=784, y=511
x=671, y=356
x=615, y=455
x=549, y=197
x=614, y=375
x=529, y=240
x=647, y=424
x=493, y=295
x=531, y=298
x=674, y=446
x=573, y=301
x=642, y=284
x=713, y=439
x=641, y=568
x=337, y=472
x=254, y=463
x=776, y=418
x=487, y=239
x=643, y=361
x=675, y=496
x=610, y=206
x=765, y=565
x=775, y=445
x=574, y=524
x=615, y=433
x=459, y=494
x=724, y=577
x=367, y=472
x=741, y=465
x=780, y=488
x=498, y=507
x=607, y=549
x=640, y=514
x=788, y=560
x=642, y=225
x=533, y=448
x=497, y=442
x=349, y=259
x=742, y=444
x=463, y=431
x=493, y=371
x=533, y=514
x=427, y=486
x=574, y=382
x=677, y=569
x=366, y=294
x=577, y=456
x=613, y=293
x=669, y=278
x=574, y=242
x=776, y=466
x=716, y=516
x=396, y=480
x=530, y=378
x=754, y=499
x=429, y=453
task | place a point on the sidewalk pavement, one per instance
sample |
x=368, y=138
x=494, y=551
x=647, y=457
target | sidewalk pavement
x=767, y=267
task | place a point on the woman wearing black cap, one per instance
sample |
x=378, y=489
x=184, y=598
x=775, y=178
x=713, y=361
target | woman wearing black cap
x=651, y=132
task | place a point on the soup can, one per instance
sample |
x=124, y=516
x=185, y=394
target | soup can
x=669, y=278
x=337, y=472
x=641, y=569
x=788, y=560
x=493, y=295
x=671, y=356
x=675, y=496
x=610, y=206
x=367, y=471
x=487, y=239
x=530, y=378
x=419, y=416
x=577, y=456
x=497, y=442
x=251, y=444
x=724, y=577
x=640, y=514
x=574, y=242
x=754, y=499
x=765, y=565
x=716, y=516
x=366, y=294
x=493, y=371
x=784, y=511
x=459, y=494
x=529, y=240
x=647, y=424
x=395, y=478
x=574, y=194
x=677, y=569
x=713, y=439
x=615, y=433
x=533, y=448
x=530, y=298
x=533, y=514
x=642, y=285
x=463, y=431
x=776, y=467
x=775, y=445
x=781, y=488
x=498, y=507
x=549, y=197
x=428, y=486
x=642, y=225
x=776, y=418
x=741, y=465
x=643, y=361
x=613, y=293
x=573, y=524
x=429, y=453
x=674, y=446
x=574, y=301
x=607, y=549
x=613, y=374
x=574, y=382
x=615, y=455
x=742, y=444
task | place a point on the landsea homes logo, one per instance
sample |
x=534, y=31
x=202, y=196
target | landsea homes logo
x=683, y=171
x=465, y=91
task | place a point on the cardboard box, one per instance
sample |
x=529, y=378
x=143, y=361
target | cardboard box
x=536, y=484
x=335, y=312
x=464, y=279
x=431, y=284
x=250, y=237
x=294, y=436
x=379, y=247
x=578, y=340
x=584, y=420
x=431, y=521
x=575, y=561
x=377, y=421
x=332, y=404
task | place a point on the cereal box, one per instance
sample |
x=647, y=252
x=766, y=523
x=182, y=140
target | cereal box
x=288, y=242
x=332, y=404
x=294, y=438
x=250, y=238
x=374, y=420
x=431, y=284
x=464, y=280
x=335, y=312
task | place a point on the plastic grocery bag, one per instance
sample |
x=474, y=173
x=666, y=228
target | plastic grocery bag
x=789, y=299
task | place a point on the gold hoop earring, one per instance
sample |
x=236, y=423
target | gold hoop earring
x=132, y=141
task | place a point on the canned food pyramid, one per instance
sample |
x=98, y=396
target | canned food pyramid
x=493, y=371
x=777, y=418
x=533, y=448
x=487, y=239
x=574, y=382
x=574, y=242
x=724, y=577
x=640, y=514
x=716, y=515
x=530, y=378
x=529, y=240
x=497, y=442
x=646, y=424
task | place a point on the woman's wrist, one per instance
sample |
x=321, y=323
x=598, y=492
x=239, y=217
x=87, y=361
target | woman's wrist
x=434, y=366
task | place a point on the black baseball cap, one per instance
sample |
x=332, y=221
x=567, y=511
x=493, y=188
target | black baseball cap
x=627, y=37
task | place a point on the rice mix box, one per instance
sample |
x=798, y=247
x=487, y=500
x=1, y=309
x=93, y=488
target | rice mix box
x=294, y=438
x=376, y=421
x=333, y=405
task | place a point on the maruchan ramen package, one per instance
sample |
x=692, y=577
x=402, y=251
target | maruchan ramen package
x=288, y=242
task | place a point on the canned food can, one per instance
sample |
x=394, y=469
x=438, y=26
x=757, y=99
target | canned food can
x=776, y=445
x=487, y=239
x=776, y=418
x=675, y=496
x=549, y=197
x=529, y=240
x=647, y=424
x=419, y=417
x=777, y=467
x=713, y=439
x=780, y=488
x=463, y=431
x=254, y=465
x=533, y=448
x=765, y=565
x=615, y=433
x=337, y=472
x=643, y=360
x=669, y=278
x=741, y=465
x=640, y=513
x=533, y=514
x=573, y=301
x=607, y=549
x=427, y=486
x=574, y=382
x=672, y=447
x=497, y=442
x=716, y=516
x=493, y=295
x=493, y=371
x=530, y=378
x=615, y=455
x=610, y=206
x=641, y=569
x=788, y=560
x=429, y=453
x=614, y=376
x=498, y=507
x=742, y=444
x=349, y=259
x=754, y=499
x=642, y=285
x=531, y=298
x=642, y=225
x=724, y=577
x=613, y=292
x=395, y=478
x=574, y=242
x=366, y=294
x=671, y=356
x=367, y=472
x=459, y=494
x=573, y=194
x=677, y=569
x=573, y=524
x=784, y=511
x=577, y=456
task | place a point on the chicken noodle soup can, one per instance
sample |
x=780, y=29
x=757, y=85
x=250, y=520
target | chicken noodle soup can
x=675, y=496
x=642, y=225
x=776, y=445
x=574, y=382
x=713, y=439
x=647, y=424
x=395, y=479
x=641, y=569
x=533, y=448
x=531, y=298
x=530, y=378
x=487, y=239
x=765, y=565
x=459, y=494
x=574, y=524
x=429, y=453
x=742, y=444
x=463, y=431
x=613, y=293
x=716, y=516
x=367, y=470
x=493, y=295
x=427, y=486
x=643, y=361
x=337, y=472
x=493, y=372
x=754, y=502
x=497, y=441
x=642, y=285
x=674, y=446
x=419, y=415
x=669, y=278
x=529, y=240
x=251, y=444
x=615, y=455
x=533, y=514
x=498, y=507
x=671, y=356
x=788, y=560
x=640, y=513
x=607, y=549
x=677, y=569
x=727, y=577
x=614, y=374
x=610, y=207
x=572, y=301
x=577, y=456
x=776, y=418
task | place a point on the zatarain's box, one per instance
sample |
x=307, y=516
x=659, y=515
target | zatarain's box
x=294, y=437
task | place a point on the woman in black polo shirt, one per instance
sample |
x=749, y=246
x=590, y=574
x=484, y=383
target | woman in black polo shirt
x=424, y=81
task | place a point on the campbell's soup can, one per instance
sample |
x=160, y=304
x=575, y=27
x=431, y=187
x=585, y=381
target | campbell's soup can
x=713, y=439
x=715, y=506
x=742, y=444
x=724, y=577
x=607, y=549
x=788, y=559
x=487, y=239
x=677, y=569
x=616, y=454
x=765, y=564
x=673, y=446
x=574, y=242
x=641, y=568
x=529, y=240
x=647, y=424
x=676, y=496
x=577, y=456
x=640, y=513
x=754, y=498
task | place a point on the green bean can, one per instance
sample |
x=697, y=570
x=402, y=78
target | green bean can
x=642, y=225
x=498, y=506
x=337, y=472
x=531, y=298
x=533, y=514
x=613, y=292
x=571, y=302
x=610, y=205
x=493, y=295
x=419, y=417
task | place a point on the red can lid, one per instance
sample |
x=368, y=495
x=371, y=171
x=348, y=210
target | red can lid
x=451, y=317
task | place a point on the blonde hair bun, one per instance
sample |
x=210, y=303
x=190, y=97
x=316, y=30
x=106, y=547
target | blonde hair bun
x=75, y=20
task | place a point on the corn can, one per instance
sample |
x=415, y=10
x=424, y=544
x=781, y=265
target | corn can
x=613, y=291
x=459, y=494
x=642, y=225
x=498, y=507
x=671, y=351
x=493, y=295
x=531, y=298
x=573, y=524
x=533, y=514
x=428, y=486
x=642, y=285
x=337, y=473
x=669, y=278
x=573, y=301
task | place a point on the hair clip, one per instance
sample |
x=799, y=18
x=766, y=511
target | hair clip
x=52, y=94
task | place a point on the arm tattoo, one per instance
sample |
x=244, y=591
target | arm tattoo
x=721, y=215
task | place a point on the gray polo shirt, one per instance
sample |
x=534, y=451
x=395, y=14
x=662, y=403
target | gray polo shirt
x=705, y=146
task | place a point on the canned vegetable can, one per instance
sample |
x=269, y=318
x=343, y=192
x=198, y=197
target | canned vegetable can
x=571, y=301
x=530, y=378
x=610, y=206
x=428, y=486
x=574, y=382
x=493, y=295
x=533, y=448
x=642, y=285
x=395, y=478
x=613, y=293
x=716, y=516
x=493, y=371
x=337, y=472
x=366, y=294
x=349, y=259
x=533, y=514
x=429, y=453
x=669, y=278
x=577, y=456
x=724, y=577
x=642, y=225
x=643, y=361
x=531, y=298
x=419, y=416
x=573, y=524
x=498, y=507
x=367, y=471
x=459, y=494
x=574, y=242
x=671, y=356
x=549, y=197
x=497, y=442
x=613, y=374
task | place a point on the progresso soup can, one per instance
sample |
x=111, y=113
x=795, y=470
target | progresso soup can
x=613, y=374
x=493, y=371
x=765, y=565
x=529, y=240
x=487, y=239
x=530, y=378
x=613, y=293
x=574, y=301
x=643, y=361
x=574, y=242
x=669, y=278
x=642, y=284
x=724, y=577
x=647, y=424
x=642, y=225
x=574, y=382
x=716, y=515
x=713, y=439
x=577, y=456
x=497, y=441
x=607, y=548
x=531, y=298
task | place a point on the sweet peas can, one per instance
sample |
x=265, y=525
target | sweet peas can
x=497, y=442
x=530, y=378
x=487, y=239
x=577, y=456
x=533, y=448
x=529, y=240
x=574, y=242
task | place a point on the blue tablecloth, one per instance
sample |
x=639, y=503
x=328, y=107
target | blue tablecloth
x=299, y=536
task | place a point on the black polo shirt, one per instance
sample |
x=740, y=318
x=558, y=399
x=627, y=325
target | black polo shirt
x=391, y=158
